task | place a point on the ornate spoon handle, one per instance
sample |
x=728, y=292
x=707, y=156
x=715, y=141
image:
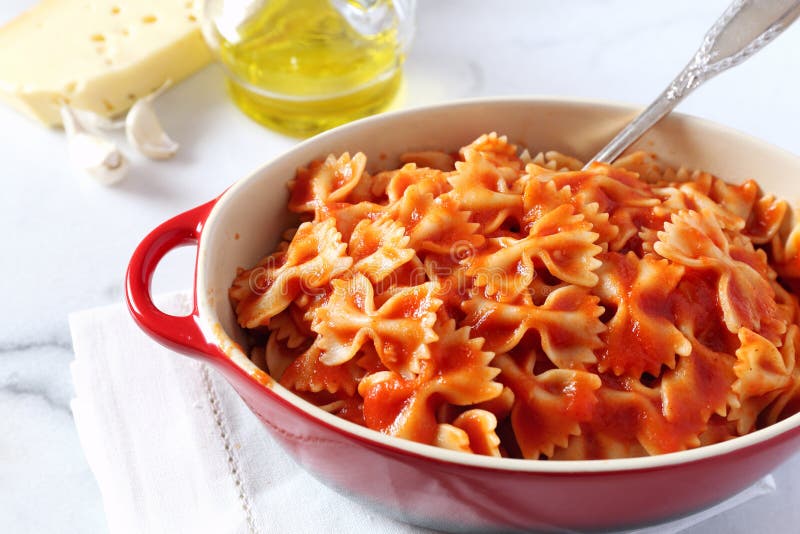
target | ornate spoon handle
x=744, y=28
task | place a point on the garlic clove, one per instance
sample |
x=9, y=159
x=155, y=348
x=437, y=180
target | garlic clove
x=96, y=122
x=91, y=152
x=99, y=157
x=144, y=130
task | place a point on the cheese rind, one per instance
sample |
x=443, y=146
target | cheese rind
x=99, y=55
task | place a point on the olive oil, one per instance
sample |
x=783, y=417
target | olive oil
x=300, y=67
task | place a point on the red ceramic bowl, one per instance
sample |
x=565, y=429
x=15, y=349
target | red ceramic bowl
x=420, y=483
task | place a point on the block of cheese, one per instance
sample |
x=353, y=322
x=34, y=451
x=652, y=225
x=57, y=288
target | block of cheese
x=99, y=55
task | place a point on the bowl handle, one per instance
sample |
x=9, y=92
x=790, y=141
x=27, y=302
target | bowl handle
x=180, y=333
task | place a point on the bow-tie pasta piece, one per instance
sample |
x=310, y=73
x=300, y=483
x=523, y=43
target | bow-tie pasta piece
x=435, y=224
x=324, y=182
x=637, y=416
x=497, y=151
x=553, y=161
x=607, y=232
x=567, y=323
x=763, y=214
x=697, y=389
x=480, y=189
x=290, y=327
x=628, y=201
x=738, y=199
x=641, y=335
x=400, y=329
x=314, y=257
x=347, y=216
x=460, y=367
x=629, y=421
x=541, y=197
x=379, y=248
x=697, y=241
x=370, y=188
x=457, y=373
x=762, y=372
x=427, y=181
x=409, y=274
x=689, y=196
x=561, y=161
x=504, y=269
x=560, y=241
x=398, y=406
x=610, y=187
x=309, y=373
x=766, y=219
x=479, y=427
x=788, y=401
x=535, y=173
x=548, y=407
x=246, y=281
x=649, y=168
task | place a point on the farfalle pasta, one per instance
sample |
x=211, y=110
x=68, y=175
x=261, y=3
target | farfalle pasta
x=494, y=303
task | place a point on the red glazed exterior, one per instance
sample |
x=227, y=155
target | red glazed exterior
x=454, y=497
x=452, y=494
x=178, y=333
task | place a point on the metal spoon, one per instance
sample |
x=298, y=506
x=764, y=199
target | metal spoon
x=744, y=28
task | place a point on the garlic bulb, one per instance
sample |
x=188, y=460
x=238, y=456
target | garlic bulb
x=144, y=130
x=91, y=152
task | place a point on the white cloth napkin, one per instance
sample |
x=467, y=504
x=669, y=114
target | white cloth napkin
x=175, y=450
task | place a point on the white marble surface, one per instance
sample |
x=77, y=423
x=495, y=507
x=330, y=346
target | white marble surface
x=66, y=241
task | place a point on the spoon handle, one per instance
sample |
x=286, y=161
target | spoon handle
x=744, y=28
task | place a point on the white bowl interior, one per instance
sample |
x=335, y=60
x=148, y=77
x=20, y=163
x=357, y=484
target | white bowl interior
x=248, y=220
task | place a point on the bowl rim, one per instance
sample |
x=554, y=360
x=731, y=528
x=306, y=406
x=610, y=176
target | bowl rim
x=236, y=358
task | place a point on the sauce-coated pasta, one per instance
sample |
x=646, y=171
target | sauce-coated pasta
x=493, y=303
